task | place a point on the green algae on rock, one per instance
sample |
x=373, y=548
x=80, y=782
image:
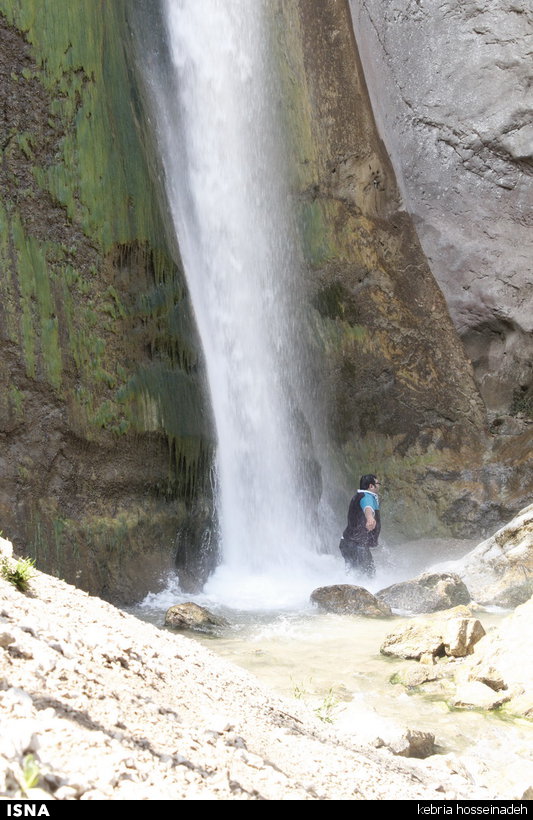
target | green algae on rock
x=95, y=319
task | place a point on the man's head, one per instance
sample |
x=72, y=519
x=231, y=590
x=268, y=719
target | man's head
x=368, y=481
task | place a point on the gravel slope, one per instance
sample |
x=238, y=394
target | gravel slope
x=111, y=707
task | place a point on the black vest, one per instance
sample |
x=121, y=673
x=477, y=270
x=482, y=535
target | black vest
x=356, y=529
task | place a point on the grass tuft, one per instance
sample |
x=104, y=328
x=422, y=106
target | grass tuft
x=31, y=774
x=18, y=575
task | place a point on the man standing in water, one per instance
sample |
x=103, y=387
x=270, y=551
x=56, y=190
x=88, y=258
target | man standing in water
x=363, y=528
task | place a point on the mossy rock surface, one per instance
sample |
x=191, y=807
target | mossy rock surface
x=103, y=402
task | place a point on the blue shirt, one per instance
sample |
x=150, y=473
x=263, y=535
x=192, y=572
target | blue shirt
x=369, y=500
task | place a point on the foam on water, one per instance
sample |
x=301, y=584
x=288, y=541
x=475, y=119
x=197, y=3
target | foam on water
x=285, y=588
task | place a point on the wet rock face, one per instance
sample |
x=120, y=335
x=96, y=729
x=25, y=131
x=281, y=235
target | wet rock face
x=196, y=547
x=394, y=362
x=390, y=367
x=97, y=383
x=451, y=91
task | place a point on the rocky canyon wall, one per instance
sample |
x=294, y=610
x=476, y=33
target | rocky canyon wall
x=452, y=90
x=401, y=395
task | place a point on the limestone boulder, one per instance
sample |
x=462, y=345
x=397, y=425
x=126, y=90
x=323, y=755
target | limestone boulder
x=347, y=599
x=465, y=666
x=499, y=571
x=192, y=616
x=503, y=661
x=413, y=676
x=426, y=638
x=460, y=636
x=414, y=641
x=429, y=592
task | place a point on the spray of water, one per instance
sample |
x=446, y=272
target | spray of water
x=221, y=140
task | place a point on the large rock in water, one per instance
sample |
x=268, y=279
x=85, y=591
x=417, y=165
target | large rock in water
x=192, y=616
x=409, y=743
x=429, y=592
x=453, y=637
x=346, y=599
x=500, y=570
x=477, y=695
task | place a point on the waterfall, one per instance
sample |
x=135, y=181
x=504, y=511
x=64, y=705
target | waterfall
x=220, y=135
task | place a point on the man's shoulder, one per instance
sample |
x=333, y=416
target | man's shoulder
x=369, y=499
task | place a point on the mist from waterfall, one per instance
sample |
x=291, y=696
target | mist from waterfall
x=220, y=133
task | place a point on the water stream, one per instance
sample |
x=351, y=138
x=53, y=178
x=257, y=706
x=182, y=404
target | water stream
x=219, y=134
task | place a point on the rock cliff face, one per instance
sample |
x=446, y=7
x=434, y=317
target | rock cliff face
x=103, y=436
x=451, y=89
x=401, y=398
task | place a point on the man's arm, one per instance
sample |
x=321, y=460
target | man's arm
x=370, y=518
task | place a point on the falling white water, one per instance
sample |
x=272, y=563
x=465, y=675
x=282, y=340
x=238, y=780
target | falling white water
x=220, y=138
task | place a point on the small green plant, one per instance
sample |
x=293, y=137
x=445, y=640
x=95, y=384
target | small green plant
x=30, y=774
x=327, y=707
x=326, y=710
x=299, y=692
x=18, y=575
